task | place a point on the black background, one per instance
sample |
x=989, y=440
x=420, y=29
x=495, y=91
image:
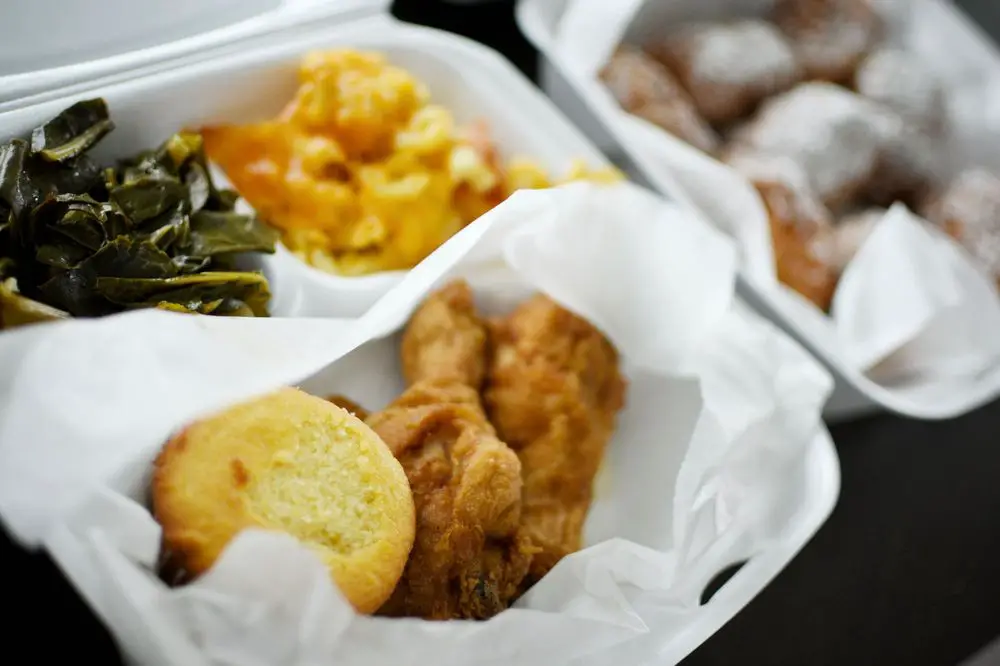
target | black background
x=904, y=572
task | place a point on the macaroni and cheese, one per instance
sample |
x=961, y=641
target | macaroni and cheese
x=362, y=173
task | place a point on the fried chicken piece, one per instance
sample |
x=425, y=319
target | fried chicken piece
x=446, y=340
x=553, y=390
x=470, y=556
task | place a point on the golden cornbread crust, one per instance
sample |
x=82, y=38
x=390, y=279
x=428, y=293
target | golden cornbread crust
x=296, y=463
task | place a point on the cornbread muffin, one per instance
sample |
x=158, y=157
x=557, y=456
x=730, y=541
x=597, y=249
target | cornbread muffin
x=296, y=463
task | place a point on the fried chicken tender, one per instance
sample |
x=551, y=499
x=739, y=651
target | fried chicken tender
x=553, y=390
x=446, y=339
x=470, y=556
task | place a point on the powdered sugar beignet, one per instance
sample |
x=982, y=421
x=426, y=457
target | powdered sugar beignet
x=645, y=88
x=832, y=133
x=969, y=210
x=728, y=68
x=797, y=218
x=830, y=37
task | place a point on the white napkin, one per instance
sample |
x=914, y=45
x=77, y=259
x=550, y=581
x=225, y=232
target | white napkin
x=705, y=468
x=951, y=323
x=903, y=308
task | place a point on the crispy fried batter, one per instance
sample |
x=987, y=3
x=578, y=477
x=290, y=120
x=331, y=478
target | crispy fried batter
x=553, y=391
x=446, y=340
x=468, y=559
x=470, y=555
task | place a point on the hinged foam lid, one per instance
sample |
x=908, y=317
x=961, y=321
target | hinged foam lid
x=48, y=44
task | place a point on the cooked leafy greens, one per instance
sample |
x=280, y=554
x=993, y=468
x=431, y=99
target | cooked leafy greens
x=152, y=231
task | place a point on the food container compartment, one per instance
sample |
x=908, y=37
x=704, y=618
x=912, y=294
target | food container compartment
x=239, y=85
x=719, y=458
x=945, y=40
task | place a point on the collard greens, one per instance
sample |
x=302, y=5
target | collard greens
x=78, y=239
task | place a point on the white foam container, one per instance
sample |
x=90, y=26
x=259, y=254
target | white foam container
x=855, y=395
x=253, y=79
x=82, y=41
x=249, y=75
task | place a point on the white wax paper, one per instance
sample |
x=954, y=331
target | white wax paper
x=706, y=467
x=899, y=326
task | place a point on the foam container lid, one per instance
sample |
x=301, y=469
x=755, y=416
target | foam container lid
x=85, y=41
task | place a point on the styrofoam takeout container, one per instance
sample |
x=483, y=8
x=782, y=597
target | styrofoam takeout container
x=252, y=78
x=48, y=45
x=820, y=478
x=59, y=37
x=244, y=84
x=758, y=499
x=941, y=28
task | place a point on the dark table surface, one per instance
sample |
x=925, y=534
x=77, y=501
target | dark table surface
x=904, y=571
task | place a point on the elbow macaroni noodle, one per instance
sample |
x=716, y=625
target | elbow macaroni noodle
x=361, y=173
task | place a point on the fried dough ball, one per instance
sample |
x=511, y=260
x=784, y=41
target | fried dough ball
x=645, y=88
x=830, y=37
x=797, y=219
x=898, y=80
x=833, y=134
x=969, y=211
x=908, y=164
x=728, y=68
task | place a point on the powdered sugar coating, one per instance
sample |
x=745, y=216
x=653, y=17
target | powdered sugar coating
x=645, y=88
x=830, y=37
x=832, y=133
x=969, y=209
x=898, y=79
x=728, y=68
